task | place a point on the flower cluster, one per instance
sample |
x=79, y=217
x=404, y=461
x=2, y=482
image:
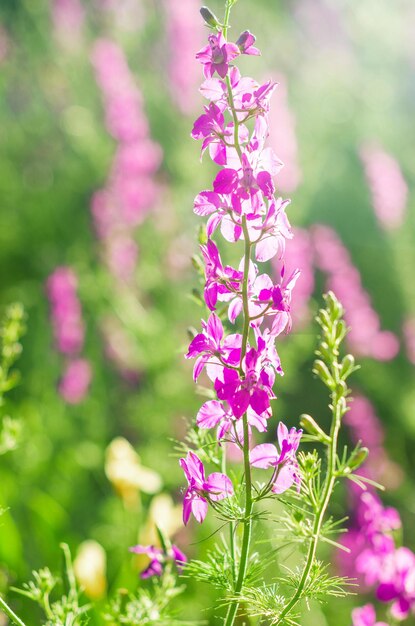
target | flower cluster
x=131, y=190
x=69, y=333
x=241, y=366
x=376, y=559
x=159, y=557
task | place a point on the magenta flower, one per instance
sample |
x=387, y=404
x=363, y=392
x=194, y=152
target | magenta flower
x=211, y=346
x=158, y=558
x=200, y=490
x=66, y=314
x=255, y=388
x=250, y=98
x=75, y=381
x=216, y=56
x=221, y=282
x=275, y=230
x=397, y=582
x=245, y=43
x=366, y=616
x=284, y=460
x=221, y=209
x=211, y=128
x=247, y=181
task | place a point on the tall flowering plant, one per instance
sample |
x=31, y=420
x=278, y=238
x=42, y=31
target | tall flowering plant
x=242, y=365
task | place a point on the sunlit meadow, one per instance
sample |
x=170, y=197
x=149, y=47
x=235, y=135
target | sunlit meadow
x=207, y=345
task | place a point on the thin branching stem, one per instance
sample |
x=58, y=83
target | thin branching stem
x=10, y=614
x=337, y=408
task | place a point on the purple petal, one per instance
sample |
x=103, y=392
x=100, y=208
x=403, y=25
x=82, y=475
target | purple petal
x=239, y=402
x=225, y=181
x=285, y=479
x=206, y=202
x=219, y=486
x=210, y=414
x=267, y=248
x=259, y=401
x=214, y=329
x=213, y=89
x=265, y=455
x=235, y=309
x=199, y=507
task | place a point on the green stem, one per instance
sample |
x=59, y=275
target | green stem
x=247, y=523
x=247, y=531
x=7, y=610
x=319, y=518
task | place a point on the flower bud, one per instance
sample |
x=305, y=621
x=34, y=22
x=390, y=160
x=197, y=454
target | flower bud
x=310, y=426
x=209, y=17
x=357, y=458
x=322, y=371
x=347, y=366
x=202, y=235
x=340, y=331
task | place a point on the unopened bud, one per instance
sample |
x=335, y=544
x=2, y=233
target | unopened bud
x=357, y=458
x=341, y=330
x=209, y=17
x=202, y=235
x=312, y=428
x=322, y=371
x=347, y=366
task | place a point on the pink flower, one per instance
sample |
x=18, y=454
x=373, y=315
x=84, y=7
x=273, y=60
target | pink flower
x=366, y=616
x=255, y=389
x=158, y=558
x=221, y=282
x=75, y=381
x=211, y=346
x=388, y=186
x=397, y=582
x=284, y=460
x=66, y=314
x=245, y=43
x=216, y=56
x=215, y=487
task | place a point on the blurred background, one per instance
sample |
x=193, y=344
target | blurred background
x=97, y=179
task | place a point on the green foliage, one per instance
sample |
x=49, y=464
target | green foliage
x=64, y=610
x=147, y=607
x=11, y=331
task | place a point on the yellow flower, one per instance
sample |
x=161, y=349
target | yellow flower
x=164, y=514
x=90, y=569
x=127, y=475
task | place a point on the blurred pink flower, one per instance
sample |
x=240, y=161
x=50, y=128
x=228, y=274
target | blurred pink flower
x=66, y=315
x=68, y=17
x=299, y=254
x=75, y=381
x=131, y=191
x=185, y=33
x=365, y=337
x=283, y=139
x=387, y=185
x=409, y=336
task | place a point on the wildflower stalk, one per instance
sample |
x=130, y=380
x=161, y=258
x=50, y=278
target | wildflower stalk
x=247, y=531
x=334, y=330
x=10, y=614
